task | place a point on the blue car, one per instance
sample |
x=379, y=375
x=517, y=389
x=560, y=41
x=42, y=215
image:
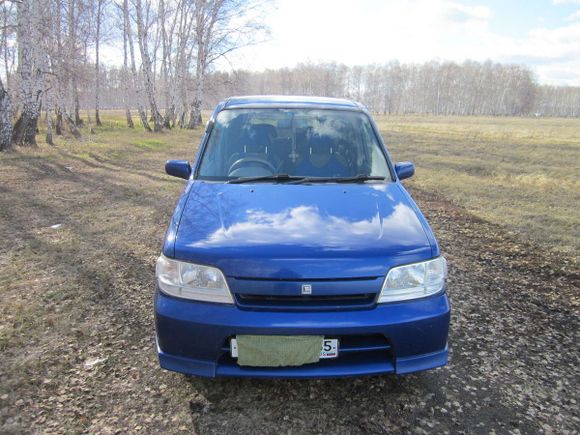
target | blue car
x=296, y=252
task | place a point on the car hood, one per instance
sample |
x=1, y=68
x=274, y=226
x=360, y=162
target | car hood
x=318, y=231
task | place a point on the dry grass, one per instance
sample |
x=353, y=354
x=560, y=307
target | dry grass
x=521, y=173
x=112, y=199
x=81, y=292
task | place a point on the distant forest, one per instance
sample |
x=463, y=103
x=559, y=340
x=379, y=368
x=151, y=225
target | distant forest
x=439, y=88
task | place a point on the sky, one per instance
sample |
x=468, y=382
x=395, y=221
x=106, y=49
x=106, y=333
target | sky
x=542, y=34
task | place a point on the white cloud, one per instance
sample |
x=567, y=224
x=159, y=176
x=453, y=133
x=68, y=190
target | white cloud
x=574, y=16
x=465, y=13
x=408, y=31
x=334, y=30
x=566, y=2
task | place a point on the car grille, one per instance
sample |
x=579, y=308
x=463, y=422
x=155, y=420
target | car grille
x=300, y=303
x=285, y=295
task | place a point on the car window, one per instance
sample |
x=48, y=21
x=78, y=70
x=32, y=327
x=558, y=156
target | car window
x=297, y=142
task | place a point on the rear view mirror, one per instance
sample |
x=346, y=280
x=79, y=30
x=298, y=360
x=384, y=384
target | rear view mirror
x=404, y=170
x=178, y=168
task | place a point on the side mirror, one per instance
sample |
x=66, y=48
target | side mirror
x=178, y=168
x=404, y=170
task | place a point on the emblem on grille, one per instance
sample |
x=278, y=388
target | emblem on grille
x=306, y=289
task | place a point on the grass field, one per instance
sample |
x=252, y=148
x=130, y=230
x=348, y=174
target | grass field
x=82, y=222
x=521, y=173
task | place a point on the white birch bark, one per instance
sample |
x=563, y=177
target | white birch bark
x=140, y=108
x=5, y=119
x=24, y=132
x=100, y=4
x=142, y=38
x=126, y=92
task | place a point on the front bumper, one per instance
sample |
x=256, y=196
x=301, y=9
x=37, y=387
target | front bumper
x=193, y=337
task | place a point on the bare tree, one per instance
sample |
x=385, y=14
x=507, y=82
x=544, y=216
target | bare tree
x=123, y=74
x=8, y=27
x=5, y=119
x=24, y=132
x=183, y=58
x=128, y=32
x=146, y=64
x=221, y=27
x=101, y=5
x=166, y=60
x=73, y=19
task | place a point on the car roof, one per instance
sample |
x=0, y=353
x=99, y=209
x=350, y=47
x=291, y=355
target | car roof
x=294, y=101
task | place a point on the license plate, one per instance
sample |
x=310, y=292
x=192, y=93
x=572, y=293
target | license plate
x=329, y=348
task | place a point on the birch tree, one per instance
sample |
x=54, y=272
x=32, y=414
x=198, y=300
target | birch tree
x=8, y=27
x=167, y=22
x=183, y=58
x=100, y=6
x=73, y=19
x=129, y=33
x=5, y=119
x=126, y=91
x=24, y=132
x=221, y=27
x=141, y=13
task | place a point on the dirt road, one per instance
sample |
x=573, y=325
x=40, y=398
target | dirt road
x=80, y=236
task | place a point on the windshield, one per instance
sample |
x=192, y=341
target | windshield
x=294, y=142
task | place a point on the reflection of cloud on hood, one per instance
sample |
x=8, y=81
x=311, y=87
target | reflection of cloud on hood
x=305, y=225
x=383, y=188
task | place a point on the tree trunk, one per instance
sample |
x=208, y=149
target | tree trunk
x=146, y=67
x=5, y=119
x=49, y=126
x=77, y=105
x=58, y=126
x=97, y=67
x=128, y=116
x=169, y=117
x=140, y=108
x=62, y=77
x=206, y=15
x=195, y=114
x=182, y=115
x=169, y=106
x=72, y=22
x=24, y=132
x=130, y=123
x=71, y=125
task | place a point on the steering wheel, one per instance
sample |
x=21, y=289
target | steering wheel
x=246, y=160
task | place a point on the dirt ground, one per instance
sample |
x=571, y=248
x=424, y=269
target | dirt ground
x=80, y=237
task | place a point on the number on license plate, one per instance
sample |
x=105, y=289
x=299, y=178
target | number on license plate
x=329, y=348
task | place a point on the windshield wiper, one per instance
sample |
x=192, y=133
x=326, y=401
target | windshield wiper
x=275, y=177
x=357, y=179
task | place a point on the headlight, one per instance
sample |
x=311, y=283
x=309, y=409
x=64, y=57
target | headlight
x=414, y=280
x=192, y=281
